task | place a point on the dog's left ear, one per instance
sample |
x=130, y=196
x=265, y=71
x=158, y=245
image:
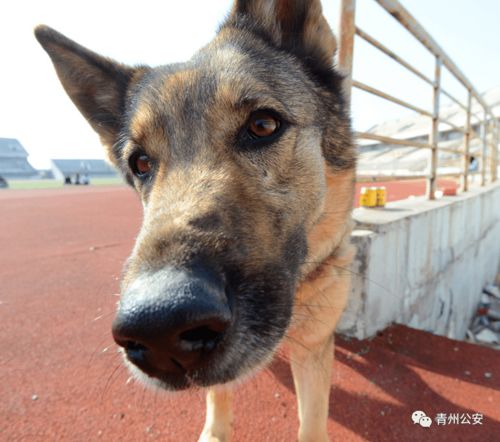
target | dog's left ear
x=295, y=25
x=97, y=85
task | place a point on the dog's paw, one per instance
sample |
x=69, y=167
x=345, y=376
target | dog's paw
x=313, y=437
x=209, y=436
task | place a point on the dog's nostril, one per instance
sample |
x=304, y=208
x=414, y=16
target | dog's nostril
x=203, y=333
x=136, y=352
x=200, y=338
x=134, y=346
x=177, y=364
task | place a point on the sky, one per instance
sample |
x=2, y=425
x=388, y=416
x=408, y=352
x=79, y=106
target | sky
x=35, y=109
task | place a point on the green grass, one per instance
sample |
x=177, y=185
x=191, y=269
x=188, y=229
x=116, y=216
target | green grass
x=53, y=184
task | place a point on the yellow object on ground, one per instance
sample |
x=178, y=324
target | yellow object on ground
x=373, y=197
x=368, y=197
x=381, y=196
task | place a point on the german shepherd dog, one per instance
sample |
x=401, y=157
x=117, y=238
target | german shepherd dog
x=244, y=161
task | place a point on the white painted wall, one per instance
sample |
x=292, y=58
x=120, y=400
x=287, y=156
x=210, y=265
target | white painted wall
x=423, y=263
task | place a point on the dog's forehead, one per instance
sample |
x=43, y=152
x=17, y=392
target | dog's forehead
x=222, y=74
x=206, y=100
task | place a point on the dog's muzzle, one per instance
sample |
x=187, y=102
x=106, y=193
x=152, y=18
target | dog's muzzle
x=172, y=321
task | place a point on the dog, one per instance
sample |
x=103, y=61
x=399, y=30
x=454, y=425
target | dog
x=244, y=161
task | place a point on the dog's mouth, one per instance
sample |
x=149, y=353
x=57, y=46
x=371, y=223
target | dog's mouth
x=165, y=371
x=175, y=379
x=238, y=354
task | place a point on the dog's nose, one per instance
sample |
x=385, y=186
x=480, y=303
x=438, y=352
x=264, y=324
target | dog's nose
x=169, y=322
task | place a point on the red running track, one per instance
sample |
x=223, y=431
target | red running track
x=61, y=378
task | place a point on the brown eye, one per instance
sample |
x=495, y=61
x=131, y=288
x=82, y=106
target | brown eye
x=141, y=165
x=263, y=124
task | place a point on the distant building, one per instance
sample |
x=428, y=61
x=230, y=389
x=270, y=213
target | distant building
x=91, y=168
x=14, y=160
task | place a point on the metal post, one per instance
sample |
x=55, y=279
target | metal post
x=347, y=30
x=484, y=158
x=466, y=158
x=434, y=135
x=491, y=143
x=493, y=131
x=494, y=158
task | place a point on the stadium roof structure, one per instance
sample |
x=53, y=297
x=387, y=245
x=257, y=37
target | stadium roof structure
x=92, y=167
x=14, y=160
x=12, y=148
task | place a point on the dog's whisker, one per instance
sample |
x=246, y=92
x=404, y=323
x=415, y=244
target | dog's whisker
x=320, y=306
x=297, y=342
x=359, y=275
x=102, y=316
x=110, y=380
x=155, y=408
x=287, y=357
x=308, y=317
x=96, y=351
x=294, y=361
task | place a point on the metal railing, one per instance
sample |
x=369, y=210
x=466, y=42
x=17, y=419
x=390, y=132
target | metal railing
x=489, y=126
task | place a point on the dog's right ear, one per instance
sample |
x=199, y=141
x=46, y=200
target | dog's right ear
x=294, y=25
x=97, y=85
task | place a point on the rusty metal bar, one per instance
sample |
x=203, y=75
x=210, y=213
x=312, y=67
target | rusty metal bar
x=379, y=178
x=368, y=38
x=474, y=133
x=466, y=158
x=453, y=126
x=484, y=159
x=475, y=155
x=492, y=151
x=448, y=149
x=494, y=157
x=381, y=94
x=394, y=8
x=477, y=116
x=497, y=140
x=434, y=135
x=457, y=174
x=389, y=140
x=491, y=144
x=455, y=100
x=347, y=30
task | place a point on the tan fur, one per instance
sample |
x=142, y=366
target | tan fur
x=219, y=418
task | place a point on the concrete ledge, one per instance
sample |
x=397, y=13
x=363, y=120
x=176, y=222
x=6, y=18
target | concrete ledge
x=423, y=263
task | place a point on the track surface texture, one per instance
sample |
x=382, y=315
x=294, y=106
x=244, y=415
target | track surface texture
x=62, y=380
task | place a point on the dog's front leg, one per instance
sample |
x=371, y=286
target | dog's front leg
x=219, y=419
x=311, y=367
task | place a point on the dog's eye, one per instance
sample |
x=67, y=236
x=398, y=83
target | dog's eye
x=263, y=124
x=140, y=164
